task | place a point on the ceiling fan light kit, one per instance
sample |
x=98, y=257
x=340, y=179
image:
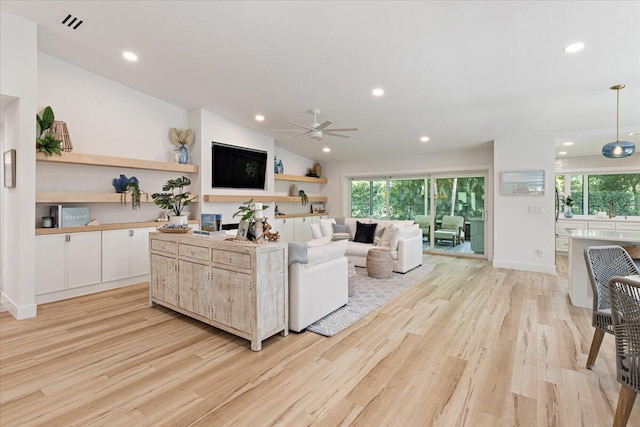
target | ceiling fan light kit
x=316, y=130
x=618, y=149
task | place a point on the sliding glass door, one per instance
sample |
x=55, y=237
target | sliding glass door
x=449, y=209
x=459, y=221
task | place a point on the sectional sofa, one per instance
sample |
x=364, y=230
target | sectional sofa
x=402, y=237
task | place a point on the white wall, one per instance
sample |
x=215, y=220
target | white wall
x=18, y=62
x=106, y=118
x=518, y=234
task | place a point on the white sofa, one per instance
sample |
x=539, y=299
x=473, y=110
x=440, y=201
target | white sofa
x=406, y=249
x=319, y=286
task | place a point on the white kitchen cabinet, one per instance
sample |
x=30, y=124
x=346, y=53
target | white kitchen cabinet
x=125, y=253
x=66, y=261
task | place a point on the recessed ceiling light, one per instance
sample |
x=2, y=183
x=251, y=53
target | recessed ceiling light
x=259, y=117
x=378, y=92
x=562, y=153
x=568, y=143
x=326, y=149
x=424, y=139
x=130, y=56
x=574, y=47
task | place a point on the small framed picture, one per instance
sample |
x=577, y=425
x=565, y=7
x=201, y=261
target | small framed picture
x=243, y=230
x=10, y=168
x=317, y=208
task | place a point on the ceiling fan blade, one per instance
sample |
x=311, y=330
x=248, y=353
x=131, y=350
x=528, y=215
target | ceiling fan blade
x=296, y=135
x=323, y=125
x=343, y=130
x=300, y=126
x=284, y=130
x=336, y=134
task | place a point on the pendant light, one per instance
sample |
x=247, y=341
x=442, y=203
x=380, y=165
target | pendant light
x=618, y=149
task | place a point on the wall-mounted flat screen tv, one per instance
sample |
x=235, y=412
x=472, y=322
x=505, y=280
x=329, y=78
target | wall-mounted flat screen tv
x=237, y=167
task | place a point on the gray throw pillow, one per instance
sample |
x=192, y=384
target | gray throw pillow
x=341, y=232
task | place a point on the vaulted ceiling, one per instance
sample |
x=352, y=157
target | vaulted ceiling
x=461, y=73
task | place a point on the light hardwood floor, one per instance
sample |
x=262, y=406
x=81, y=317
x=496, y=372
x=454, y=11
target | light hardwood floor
x=469, y=346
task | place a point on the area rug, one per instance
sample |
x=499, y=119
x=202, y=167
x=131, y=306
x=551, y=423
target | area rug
x=368, y=295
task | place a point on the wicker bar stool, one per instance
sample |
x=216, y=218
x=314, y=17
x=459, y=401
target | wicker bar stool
x=604, y=262
x=624, y=294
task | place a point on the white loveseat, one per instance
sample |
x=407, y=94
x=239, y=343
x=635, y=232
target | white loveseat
x=318, y=281
x=405, y=243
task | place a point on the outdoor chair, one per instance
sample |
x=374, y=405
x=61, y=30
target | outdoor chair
x=604, y=262
x=424, y=223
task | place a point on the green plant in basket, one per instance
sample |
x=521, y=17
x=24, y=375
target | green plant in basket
x=47, y=143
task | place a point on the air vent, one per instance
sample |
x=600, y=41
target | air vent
x=71, y=21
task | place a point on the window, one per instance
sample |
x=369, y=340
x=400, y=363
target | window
x=389, y=198
x=593, y=193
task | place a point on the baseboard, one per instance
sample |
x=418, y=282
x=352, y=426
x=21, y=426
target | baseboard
x=536, y=268
x=19, y=312
x=90, y=289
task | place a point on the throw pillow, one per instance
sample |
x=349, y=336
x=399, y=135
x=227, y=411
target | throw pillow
x=387, y=236
x=340, y=232
x=365, y=232
x=318, y=242
x=316, y=232
x=403, y=233
x=326, y=226
x=380, y=231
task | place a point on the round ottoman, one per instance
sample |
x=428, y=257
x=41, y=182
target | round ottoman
x=352, y=277
x=379, y=263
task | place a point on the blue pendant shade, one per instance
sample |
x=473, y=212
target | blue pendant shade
x=618, y=149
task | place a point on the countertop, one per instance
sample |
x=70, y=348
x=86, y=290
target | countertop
x=630, y=236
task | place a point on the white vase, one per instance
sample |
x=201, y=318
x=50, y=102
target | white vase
x=178, y=219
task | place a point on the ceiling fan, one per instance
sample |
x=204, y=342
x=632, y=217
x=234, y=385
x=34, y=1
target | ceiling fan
x=316, y=130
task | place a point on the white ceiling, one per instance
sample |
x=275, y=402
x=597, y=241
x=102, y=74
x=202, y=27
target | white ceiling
x=462, y=73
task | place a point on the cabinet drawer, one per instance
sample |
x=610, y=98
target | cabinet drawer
x=231, y=258
x=628, y=226
x=601, y=225
x=563, y=228
x=197, y=252
x=163, y=246
x=562, y=244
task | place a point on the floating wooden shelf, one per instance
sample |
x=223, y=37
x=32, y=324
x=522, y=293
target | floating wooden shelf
x=89, y=198
x=96, y=160
x=102, y=227
x=296, y=178
x=263, y=199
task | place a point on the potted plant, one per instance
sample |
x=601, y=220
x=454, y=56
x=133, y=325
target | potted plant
x=568, y=203
x=124, y=186
x=182, y=138
x=47, y=143
x=175, y=199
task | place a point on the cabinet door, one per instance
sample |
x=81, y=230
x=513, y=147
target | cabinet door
x=83, y=259
x=303, y=229
x=285, y=227
x=193, y=287
x=115, y=254
x=164, y=279
x=140, y=251
x=50, y=271
x=231, y=299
